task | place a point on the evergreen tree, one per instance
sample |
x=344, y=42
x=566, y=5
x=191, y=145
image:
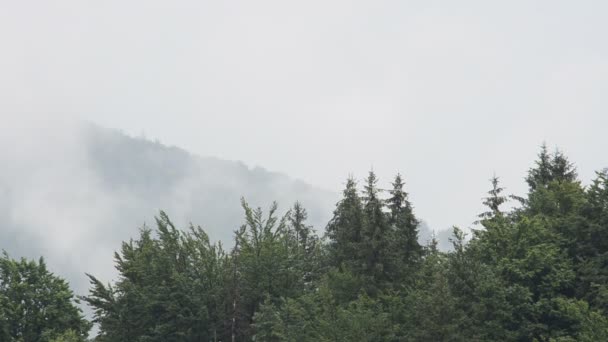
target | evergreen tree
x=540, y=175
x=534, y=273
x=428, y=310
x=494, y=200
x=345, y=229
x=562, y=170
x=550, y=168
x=376, y=238
x=404, y=232
x=304, y=245
x=297, y=217
x=592, y=245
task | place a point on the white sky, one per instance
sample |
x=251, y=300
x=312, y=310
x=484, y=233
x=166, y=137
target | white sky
x=446, y=92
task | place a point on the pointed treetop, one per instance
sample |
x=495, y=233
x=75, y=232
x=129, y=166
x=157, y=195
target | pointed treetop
x=397, y=184
x=371, y=190
x=399, y=198
x=351, y=186
x=494, y=199
x=550, y=167
x=562, y=169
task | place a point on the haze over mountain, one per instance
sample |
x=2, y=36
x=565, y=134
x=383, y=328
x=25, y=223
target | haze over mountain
x=73, y=191
x=446, y=93
x=282, y=101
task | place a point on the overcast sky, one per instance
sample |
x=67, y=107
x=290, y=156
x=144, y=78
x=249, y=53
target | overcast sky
x=446, y=92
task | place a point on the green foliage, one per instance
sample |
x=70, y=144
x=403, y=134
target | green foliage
x=406, y=253
x=36, y=305
x=169, y=288
x=68, y=336
x=319, y=317
x=549, y=168
x=537, y=272
x=374, y=247
x=345, y=229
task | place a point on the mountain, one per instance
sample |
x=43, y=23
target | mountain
x=75, y=191
x=201, y=190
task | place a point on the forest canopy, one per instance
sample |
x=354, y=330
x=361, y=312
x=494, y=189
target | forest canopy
x=535, y=272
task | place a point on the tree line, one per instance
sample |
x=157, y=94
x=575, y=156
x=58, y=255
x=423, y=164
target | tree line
x=535, y=272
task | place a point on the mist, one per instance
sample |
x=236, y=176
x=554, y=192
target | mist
x=73, y=191
x=447, y=94
x=112, y=111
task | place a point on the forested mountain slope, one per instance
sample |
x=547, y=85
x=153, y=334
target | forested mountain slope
x=537, y=272
x=76, y=190
x=534, y=271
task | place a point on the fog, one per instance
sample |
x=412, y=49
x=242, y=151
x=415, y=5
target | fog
x=71, y=191
x=446, y=93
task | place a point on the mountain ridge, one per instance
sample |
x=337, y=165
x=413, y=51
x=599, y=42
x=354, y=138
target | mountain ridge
x=80, y=190
x=77, y=192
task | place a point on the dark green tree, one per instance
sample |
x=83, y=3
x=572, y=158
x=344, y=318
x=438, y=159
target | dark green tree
x=305, y=249
x=167, y=290
x=345, y=229
x=374, y=246
x=550, y=168
x=494, y=200
x=428, y=311
x=264, y=268
x=541, y=174
x=537, y=272
x=404, y=246
x=592, y=245
x=35, y=304
x=303, y=233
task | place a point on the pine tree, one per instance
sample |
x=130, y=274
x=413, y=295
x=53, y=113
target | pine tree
x=535, y=273
x=304, y=250
x=555, y=167
x=345, y=229
x=304, y=234
x=495, y=224
x=541, y=174
x=592, y=245
x=494, y=200
x=403, y=224
x=376, y=237
x=562, y=170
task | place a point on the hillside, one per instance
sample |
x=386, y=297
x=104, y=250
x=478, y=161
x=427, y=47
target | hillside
x=75, y=192
x=78, y=190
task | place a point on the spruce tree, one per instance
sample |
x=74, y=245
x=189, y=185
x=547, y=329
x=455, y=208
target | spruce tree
x=494, y=200
x=304, y=235
x=376, y=236
x=562, y=170
x=344, y=230
x=541, y=174
x=403, y=224
x=550, y=167
x=592, y=245
x=304, y=245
